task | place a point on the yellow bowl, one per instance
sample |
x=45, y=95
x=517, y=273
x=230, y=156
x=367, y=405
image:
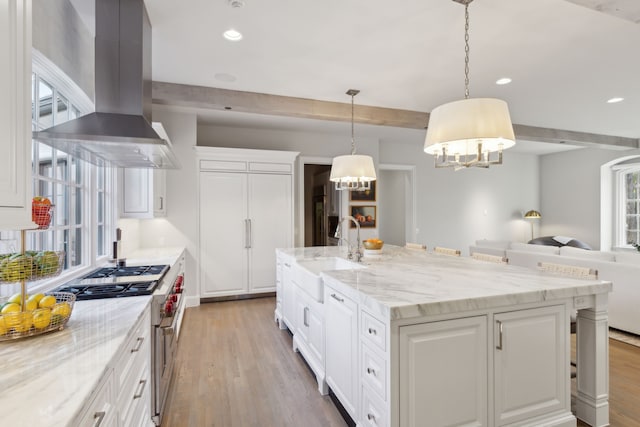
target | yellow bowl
x=372, y=245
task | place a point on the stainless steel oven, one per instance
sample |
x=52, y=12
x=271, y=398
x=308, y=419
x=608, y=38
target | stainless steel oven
x=166, y=314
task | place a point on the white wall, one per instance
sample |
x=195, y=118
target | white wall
x=570, y=192
x=456, y=208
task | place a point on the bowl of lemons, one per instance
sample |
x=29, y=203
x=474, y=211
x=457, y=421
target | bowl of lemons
x=373, y=244
x=40, y=313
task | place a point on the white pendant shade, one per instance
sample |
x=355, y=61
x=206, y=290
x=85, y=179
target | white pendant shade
x=352, y=168
x=460, y=126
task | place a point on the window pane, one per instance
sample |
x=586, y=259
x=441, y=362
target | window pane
x=101, y=250
x=61, y=165
x=45, y=189
x=62, y=113
x=632, y=208
x=77, y=198
x=75, y=236
x=75, y=170
x=45, y=154
x=45, y=113
x=632, y=222
x=100, y=174
x=62, y=204
x=100, y=207
x=632, y=237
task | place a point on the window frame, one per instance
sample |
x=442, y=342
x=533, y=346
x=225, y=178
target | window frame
x=92, y=256
x=620, y=204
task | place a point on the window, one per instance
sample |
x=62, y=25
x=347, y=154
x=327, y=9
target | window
x=628, y=206
x=80, y=192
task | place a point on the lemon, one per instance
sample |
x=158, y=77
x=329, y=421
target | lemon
x=20, y=321
x=15, y=298
x=63, y=309
x=3, y=326
x=11, y=307
x=56, y=320
x=36, y=297
x=47, y=301
x=41, y=318
x=31, y=305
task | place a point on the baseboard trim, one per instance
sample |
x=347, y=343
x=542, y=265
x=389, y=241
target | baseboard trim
x=237, y=297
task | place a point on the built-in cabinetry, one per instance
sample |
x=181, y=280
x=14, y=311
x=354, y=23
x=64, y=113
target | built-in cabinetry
x=15, y=115
x=142, y=193
x=245, y=205
x=123, y=395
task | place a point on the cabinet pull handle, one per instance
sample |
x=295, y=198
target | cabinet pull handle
x=161, y=203
x=371, y=417
x=138, y=393
x=337, y=298
x=247, y=241
x=373, y=331
x=287, y=265
x=98, y=417
x=371, y=371
x=137, y=347
x=499, y=346
x=304, y=320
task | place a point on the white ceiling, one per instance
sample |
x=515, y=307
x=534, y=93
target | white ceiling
x=565, y=60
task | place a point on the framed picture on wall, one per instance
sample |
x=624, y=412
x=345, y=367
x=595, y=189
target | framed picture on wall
x=364, y=196
x=365, y=215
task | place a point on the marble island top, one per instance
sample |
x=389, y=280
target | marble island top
x=404, y=283
x=46, y=380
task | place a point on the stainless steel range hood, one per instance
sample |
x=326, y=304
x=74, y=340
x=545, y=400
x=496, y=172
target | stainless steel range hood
x=119, y=133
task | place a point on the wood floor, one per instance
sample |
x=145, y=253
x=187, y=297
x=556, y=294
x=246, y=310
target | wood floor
x=236, y=368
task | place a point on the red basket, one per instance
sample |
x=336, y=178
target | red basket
x=41, y=214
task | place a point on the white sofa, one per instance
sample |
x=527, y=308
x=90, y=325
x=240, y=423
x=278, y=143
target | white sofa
x=621, y=268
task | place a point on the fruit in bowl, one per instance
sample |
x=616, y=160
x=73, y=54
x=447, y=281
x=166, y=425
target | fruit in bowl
x=373, y=244
x=41, y=211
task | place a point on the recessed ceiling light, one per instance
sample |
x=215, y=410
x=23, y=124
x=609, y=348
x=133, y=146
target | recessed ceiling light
x=615, y=100
x=503, y=81
x=232, y=35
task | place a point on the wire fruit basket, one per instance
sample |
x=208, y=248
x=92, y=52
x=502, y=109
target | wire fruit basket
x=40, y=314
x=30, y=265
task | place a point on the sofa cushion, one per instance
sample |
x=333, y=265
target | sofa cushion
x=542, y=249
x=628, y=257
x=581, y=253
x=496, y=244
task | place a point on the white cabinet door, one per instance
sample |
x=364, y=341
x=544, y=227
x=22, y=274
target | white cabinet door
x=302, y=304
x=288, y=297
x=270, y=226
x=223, y=238
x=142, y=193
x=159, y=192
x=341, y=356
x=530, y=363
x=451, y=354
x=15, y=114
x=315, y=320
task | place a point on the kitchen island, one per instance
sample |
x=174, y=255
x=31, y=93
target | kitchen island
x=51, y=379
x=421, y=339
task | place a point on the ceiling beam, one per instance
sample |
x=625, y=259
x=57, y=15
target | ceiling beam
x=209, y=98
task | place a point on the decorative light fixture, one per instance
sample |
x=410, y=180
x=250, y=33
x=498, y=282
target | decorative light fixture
x=232, y=35
x=466, y=133
x=353, y=172
x=532, y=215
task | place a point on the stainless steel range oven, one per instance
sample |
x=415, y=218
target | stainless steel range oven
x=167, y=308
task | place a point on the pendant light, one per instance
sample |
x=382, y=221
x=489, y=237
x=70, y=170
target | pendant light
x=353, y=172
x=471, y=132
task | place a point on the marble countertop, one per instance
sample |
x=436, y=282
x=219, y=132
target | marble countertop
x=403, y=283
x=45, y=380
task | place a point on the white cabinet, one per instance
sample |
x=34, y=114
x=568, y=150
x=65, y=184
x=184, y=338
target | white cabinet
x=341, y=339
x=530, y=348
x=309, y=335
x=451, y=354
x=288, y=297
x=15, y=114
x=100, y=409
x=245, y=213
x=132, y=374
x=142, y=193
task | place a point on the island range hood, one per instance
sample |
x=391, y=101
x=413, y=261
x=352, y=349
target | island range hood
x=120, y=132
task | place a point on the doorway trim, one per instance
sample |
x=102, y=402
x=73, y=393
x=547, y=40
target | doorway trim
x=410, y=206
x=302, y=161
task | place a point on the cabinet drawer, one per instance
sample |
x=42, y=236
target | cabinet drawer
x=269, y=167
x=374, y=411
x=374, y=372
x=222, y=165
x=134, y=410
x=134, y=361
x=100, y=410
x=374, y=331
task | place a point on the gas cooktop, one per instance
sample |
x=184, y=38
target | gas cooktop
x=116, y=282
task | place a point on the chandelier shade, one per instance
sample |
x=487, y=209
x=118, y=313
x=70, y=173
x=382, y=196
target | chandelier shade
x=460, y=126
x=352, y=172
